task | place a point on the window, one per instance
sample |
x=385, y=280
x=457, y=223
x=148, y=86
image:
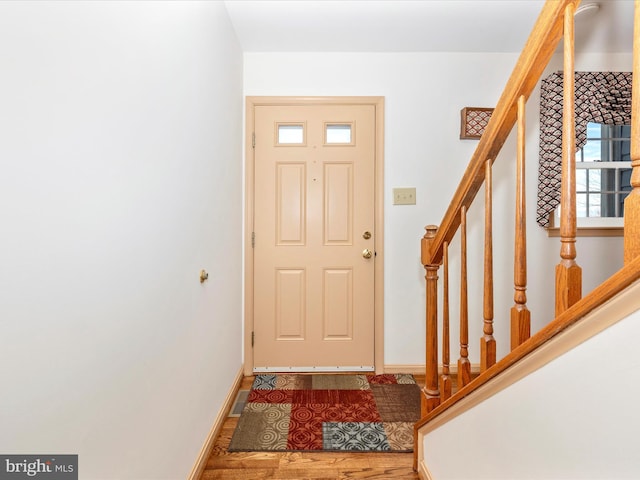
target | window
x=603, y=171
x=603, y=175
x=600, y=97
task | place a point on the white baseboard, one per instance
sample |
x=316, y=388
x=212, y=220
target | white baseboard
x=412, y=369
x=227, y=405
x=420, y=369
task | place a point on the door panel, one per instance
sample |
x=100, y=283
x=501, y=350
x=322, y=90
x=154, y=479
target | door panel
x=314, y=198
x=338, y=304
x=291, y=214
x=338, y=204
x=290, y=304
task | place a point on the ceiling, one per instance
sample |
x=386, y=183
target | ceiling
x=416, y=25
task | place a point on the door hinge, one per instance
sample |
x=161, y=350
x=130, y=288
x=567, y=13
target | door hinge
x=253, y=140
x=253, y=338
x=253, y=239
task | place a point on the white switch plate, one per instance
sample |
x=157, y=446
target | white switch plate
x=404, y=196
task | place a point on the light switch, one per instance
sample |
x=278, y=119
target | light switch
x=404, y=196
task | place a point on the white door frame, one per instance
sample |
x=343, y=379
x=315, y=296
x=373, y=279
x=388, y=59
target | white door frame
x=378, y=234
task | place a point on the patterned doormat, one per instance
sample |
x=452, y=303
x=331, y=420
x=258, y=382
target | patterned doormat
x=329, y=413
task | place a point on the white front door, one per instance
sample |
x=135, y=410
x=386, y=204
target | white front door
x=314, y=258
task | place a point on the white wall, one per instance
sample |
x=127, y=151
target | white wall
x=424, y=94
x=574, y=418
x=120, y=147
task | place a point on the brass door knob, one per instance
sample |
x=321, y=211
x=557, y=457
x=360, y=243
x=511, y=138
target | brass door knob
x=366, y=253
x=203, y=276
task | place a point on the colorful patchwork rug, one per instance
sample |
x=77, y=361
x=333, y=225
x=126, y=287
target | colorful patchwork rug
x=329, y=413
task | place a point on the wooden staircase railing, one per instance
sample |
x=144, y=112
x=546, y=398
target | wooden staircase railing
x=555, y=22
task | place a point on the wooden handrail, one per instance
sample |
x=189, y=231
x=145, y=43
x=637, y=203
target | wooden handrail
x=540, y=46
x=625, y=277
x=535, y=56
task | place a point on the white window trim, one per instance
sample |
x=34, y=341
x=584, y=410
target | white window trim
x=588, y=226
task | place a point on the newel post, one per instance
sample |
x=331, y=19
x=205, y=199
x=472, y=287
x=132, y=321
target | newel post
x=431, y=392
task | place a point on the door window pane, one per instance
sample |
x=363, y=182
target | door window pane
x=290, y=134
x=338, y=133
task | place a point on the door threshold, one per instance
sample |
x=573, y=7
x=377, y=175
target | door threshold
x=360, y=368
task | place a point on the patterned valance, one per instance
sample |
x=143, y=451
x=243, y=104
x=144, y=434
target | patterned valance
x=601, y=97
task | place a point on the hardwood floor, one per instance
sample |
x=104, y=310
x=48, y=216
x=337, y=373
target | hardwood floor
x=302, y=465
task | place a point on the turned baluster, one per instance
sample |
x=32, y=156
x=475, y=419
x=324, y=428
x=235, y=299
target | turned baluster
x=431, y=394
x=464, y=366
x=568, y=273
x=445, y=378
x=520, y=315
x=487, y=342
x=632, y=202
